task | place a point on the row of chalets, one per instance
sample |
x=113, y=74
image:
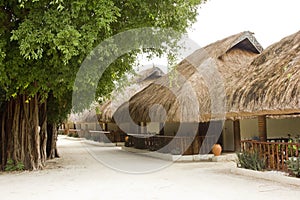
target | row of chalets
x=228, y=91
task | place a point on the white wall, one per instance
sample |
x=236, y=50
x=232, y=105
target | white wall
x=92, y=126
x=275, y=128
x=171, y=128
x=70, y=125
x=153, y=127
x=282, y=127
x=78, y=125
x=86, y=126
x=249, y=128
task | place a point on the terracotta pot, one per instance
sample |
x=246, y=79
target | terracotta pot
x=217, y=149
x=126, y=139
x=66, y=131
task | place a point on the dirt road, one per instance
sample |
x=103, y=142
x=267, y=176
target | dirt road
x=85, y=172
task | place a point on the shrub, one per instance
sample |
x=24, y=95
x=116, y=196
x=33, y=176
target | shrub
x=75, y=135
x=251, y=160
x=60, y=132
x=70, y=134
x=294, y=166
x=11, y=166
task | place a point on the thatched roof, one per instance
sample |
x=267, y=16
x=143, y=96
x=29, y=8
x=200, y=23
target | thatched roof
x=150, y=74
x=201, y=79
x=88, y=115
x=138, y=82
x=271, y=84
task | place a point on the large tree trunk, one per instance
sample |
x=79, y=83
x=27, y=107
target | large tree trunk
x=20, y=136
x=3, y=155
x=43, y=131
x=51, y=142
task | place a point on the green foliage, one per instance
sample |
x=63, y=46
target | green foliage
x=294, y=166
x=44, y=42
x=72, y=134
x=251, y=160
x=292, y=148
x=11, y=166
x=75, y=135
x=58, y=108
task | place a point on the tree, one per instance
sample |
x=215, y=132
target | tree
x=42, y=45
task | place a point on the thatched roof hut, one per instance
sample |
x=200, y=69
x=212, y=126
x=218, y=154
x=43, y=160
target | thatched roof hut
x=200, y=79
x=138, y=82
x=87, y=116
x=271, y=84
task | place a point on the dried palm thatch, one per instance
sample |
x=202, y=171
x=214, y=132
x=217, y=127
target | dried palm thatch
x=87, y=116
x=189, y=97
x=285, y=116
x=271, y=84
x=139, y=82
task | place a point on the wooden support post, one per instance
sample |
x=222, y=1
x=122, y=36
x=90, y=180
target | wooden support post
x=262, y=128
x=139, y=131
x=105, y=127
x=161, y=129
x=144, y=127
x=237, y=135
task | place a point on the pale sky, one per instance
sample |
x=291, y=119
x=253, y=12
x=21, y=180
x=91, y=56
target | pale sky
x=270, y=20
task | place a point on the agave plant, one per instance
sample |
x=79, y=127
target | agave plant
x=251, y=160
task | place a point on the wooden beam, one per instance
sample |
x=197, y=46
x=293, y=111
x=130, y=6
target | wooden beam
x=262, y=128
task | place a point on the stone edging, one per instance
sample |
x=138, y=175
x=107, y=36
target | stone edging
x=179, y=158
x=91, y=142
x=100, y=144
x=267, y=175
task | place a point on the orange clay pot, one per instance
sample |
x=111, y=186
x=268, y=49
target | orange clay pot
x=217, y=149
x=126, y=139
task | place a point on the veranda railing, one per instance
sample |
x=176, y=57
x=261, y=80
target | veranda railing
x=275, y=154
x=185, y=145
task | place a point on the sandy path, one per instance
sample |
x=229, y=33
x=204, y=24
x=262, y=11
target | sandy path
x=78, y=174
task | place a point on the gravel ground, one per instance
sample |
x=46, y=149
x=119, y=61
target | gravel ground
x=86, y=171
